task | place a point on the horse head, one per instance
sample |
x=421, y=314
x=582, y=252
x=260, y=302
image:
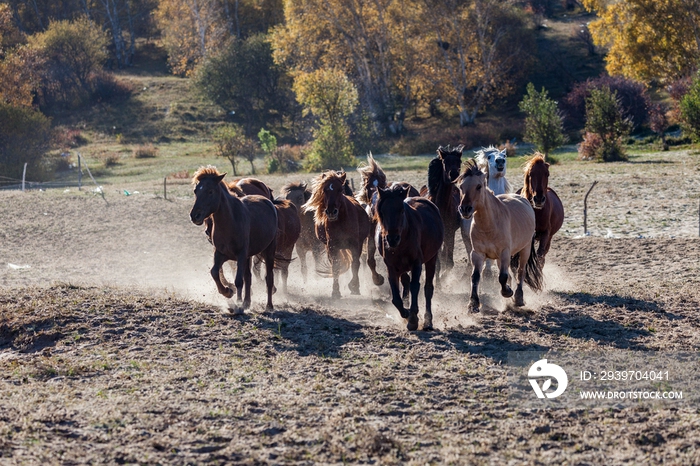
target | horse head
x=472, y=186
x=451, y=160
x=296, y=193
x=373, y=178
x=536, y=181
x=327, y=196
x=391, y=214
x=207, y=182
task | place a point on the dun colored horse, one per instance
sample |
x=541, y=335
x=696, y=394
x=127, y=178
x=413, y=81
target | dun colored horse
x=240, y=229
x=373, y=179
x=549, y=210
x=442, y=171
x=299, y=194
x=502, y=229
x=341, y=224
x=492, y=162
x=410, y=234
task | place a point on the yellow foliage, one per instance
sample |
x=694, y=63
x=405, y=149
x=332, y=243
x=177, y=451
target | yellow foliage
x=648, y=39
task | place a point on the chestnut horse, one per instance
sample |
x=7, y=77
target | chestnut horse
x=341, y=224
x=299, y=194
x=549, y=210
x=288, y=231
x=410, y=234
x=503, y=229
x=240, y=229
x=442, y=171
x=373, y=179
x=250, y=186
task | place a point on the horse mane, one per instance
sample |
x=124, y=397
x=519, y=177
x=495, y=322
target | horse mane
x=527, y=168
x=209, y=171
x=366, y=171
x=316, y=201
x=436, y=176
x=471, y=169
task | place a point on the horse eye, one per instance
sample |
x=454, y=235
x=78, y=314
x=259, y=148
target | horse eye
x=478, y=187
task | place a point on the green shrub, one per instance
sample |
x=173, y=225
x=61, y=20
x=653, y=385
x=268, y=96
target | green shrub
x=25, y=136
x=147, y=151
x=544, y=125
x=690, y=109
x=605, y=119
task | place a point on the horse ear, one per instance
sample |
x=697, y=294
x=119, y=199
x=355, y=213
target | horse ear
x=404, y=192
x=220, y=177
x=440, y=152
x=342, y=177
x=459, y=149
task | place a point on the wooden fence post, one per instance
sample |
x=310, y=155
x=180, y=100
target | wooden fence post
x=24, y=175
x=585, y=208
x=165, y=188
x=80, y=174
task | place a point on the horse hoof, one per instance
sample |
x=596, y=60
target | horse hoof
x=269, y=307
x=246, y=304
x=335, y=295
x=507, y=293
x=378, y=280
x=412, y=324
x=236, y=310
x=473, y=308
x=428, y=327
x=228, y=293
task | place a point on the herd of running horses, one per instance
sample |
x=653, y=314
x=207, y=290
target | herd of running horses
x=410, y=228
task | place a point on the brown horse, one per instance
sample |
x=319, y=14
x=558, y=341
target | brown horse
x=549, y=210
x=373, y=179
x=299, y=194
x=341, y=224
x=410, y=234
x=249, y=186
x=502, y=229
x=442, y=171
x=240, y=229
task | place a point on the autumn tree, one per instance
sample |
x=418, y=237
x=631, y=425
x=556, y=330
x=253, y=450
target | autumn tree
x=482, y=48
x=372, y=42
x=331, y=97
x=25, y=134
x=690, y=109
x=648, y=39
x=231, y=142
x=544, y=125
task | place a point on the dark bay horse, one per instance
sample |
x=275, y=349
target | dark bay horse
x=341, y=224
x=250, y=186
x=503, y=229
x=442, y=171
x=240, y=229
x=373, y=179
x=410, y=234
x=299, y=194
x=549, y=210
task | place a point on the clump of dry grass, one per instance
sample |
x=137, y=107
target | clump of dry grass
x=145, y=151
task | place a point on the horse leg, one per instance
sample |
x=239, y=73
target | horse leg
x=543, y=249
x=247, y=278
x=269, y=255
x=396, y=294
x=449, y=250
x=524, y=256
x=429, y=288
x=354, y=284
x=256, y=267
x=377, y=278
x=334, y=255
x=503, y=263
x=405, y=284
x=219, y=260
x=240, y=271
x=415, y=289
x=478, y=263
x=301, y=253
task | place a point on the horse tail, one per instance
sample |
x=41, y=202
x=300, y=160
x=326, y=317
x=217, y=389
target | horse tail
x=324, y=268
x=533, y=269
x=281, y=262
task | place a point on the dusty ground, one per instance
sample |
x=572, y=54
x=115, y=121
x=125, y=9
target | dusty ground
x=114, y=346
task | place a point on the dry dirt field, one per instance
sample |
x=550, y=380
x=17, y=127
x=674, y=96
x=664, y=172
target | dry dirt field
x=115, y=347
